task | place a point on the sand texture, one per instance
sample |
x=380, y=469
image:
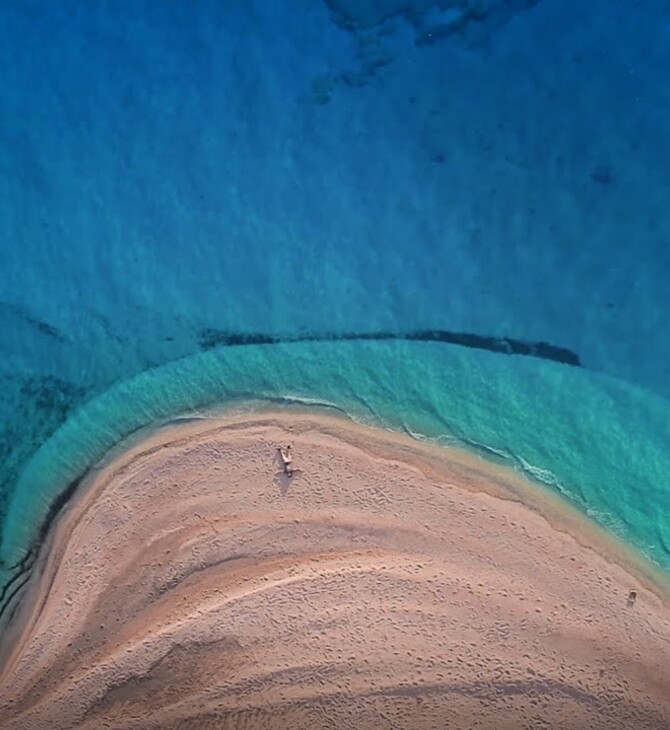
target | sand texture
x=190, y=584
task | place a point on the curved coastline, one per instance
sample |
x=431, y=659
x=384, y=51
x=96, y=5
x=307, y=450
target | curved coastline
x=513, y=406
x=188, y=528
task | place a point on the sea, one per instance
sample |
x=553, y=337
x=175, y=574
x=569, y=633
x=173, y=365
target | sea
x=448, y=218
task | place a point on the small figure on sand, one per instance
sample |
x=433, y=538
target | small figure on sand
x=632, y=597
x=287, y=460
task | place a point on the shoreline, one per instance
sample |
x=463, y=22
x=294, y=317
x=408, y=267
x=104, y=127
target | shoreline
x=494, y=488
x=499, y=479
x=503, y=482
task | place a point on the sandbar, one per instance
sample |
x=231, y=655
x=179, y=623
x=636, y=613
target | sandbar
x=190, y=583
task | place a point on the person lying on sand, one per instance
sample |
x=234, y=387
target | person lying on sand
x=287, y=460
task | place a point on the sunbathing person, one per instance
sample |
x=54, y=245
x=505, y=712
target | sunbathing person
x=287, y=460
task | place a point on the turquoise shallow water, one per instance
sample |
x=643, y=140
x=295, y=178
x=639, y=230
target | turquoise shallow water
x=174, y=178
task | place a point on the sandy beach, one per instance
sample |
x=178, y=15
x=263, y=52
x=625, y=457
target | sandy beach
x=389, y=584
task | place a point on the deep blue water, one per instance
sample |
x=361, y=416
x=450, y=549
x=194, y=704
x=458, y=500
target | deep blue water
x=175, y=176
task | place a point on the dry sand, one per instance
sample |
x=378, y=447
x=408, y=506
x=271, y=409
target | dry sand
x=190, y=584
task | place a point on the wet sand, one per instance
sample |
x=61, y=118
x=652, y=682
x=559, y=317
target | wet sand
x=390, y=584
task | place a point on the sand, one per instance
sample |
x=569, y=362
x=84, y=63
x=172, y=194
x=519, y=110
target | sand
x=390, y=584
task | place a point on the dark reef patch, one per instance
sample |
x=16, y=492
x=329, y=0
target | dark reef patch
x=12, y=316
x=46, y=329
x=50, y=394
x=602, y=174
x=210, y=338
x=371, y=23
x=433, y=20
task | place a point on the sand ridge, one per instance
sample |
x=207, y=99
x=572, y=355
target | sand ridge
x=190, y=584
